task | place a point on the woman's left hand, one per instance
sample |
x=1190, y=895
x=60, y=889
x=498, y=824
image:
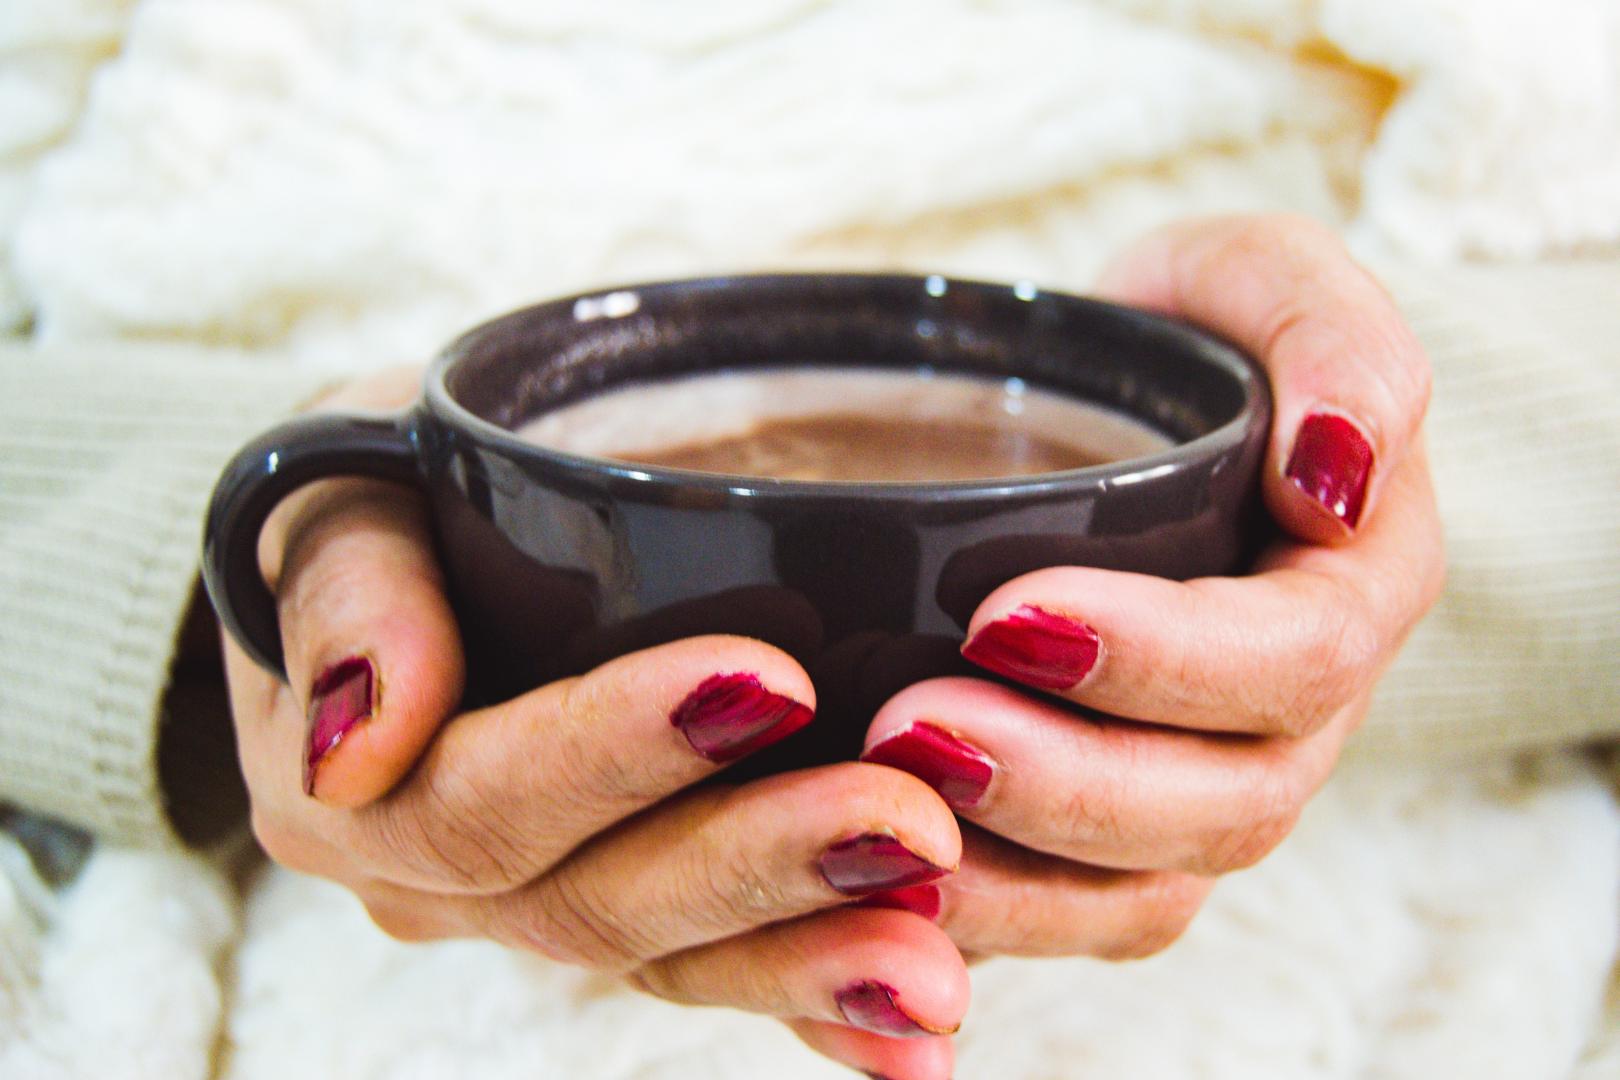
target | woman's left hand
x=1102, y=836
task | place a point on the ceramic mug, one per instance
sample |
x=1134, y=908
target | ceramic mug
x=557, y=562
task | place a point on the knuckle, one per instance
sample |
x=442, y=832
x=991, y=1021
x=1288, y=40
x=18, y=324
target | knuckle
x=1295, y=238
x=1400, y=377
x=400, y=923
x=1434, y=580
x=315, y=578
x=600, y=779
x=1092, y=809
x=1418, y=377
x=1165, y=905
x=727, y=882
x=661, y=979
x=1245, y=845
x=567, y=922
x=1267, y=813
x=450, y=833
x=1342, y=654
x=389, y=388
x=283, y=844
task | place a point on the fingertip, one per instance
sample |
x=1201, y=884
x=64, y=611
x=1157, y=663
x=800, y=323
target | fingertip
x=890, y=804
x=915, y=733
x=1322, y=483
x=1350, y=379
x=373, y=650
x=1030, y=631
x=728, y=696
x=342, y=701
x=371, y=713
x=877, y=1057
x=776, y=670
x=898, y=975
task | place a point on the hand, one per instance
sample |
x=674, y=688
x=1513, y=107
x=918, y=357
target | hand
x=1102, y=836
x=564, y=822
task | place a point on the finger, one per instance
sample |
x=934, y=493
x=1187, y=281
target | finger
x=1278, y=652
x=373, y=654
x=1107, y=792
x=505, y=792
x=877, y=973
x=719, y=862
x=412, y=916
x=1350, y=380
x=882, y=972
x=878, y=1056
x=1009, y=900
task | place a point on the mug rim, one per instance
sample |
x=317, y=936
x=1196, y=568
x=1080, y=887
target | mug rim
x=1203, y=345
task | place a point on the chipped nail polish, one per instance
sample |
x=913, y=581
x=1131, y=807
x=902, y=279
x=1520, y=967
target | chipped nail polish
x=875, y=1006
x=1035, y=647
x=340, y=698
x=955, y=768
x=918, y=899
x=873, y=862
x=731, y=715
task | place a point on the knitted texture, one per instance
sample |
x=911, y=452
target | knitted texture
x=106, y=460
x=1521, y=648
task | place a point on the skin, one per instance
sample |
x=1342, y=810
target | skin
x=1094, y=837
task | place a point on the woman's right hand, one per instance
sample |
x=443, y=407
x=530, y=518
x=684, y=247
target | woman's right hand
x=565, y=821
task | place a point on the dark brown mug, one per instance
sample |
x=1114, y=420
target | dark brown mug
x=558, y=562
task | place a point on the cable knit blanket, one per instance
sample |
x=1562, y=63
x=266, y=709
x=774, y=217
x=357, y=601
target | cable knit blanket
x=327, y=183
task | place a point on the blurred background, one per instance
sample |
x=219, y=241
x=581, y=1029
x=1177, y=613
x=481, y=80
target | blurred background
x=361, y=180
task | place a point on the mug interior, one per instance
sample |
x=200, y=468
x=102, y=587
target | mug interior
x=1179, y=381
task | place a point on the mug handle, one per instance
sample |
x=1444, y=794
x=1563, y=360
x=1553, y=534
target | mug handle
x=264, y=472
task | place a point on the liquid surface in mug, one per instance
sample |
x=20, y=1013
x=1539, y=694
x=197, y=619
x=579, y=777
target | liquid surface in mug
x=845, y=424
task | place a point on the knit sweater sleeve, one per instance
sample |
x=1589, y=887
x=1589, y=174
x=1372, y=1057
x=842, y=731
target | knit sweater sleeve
x=1523, y=648
x=106, y=460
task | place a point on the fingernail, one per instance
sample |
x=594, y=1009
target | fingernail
x=728, y=716
x=340, y=699
x=958, y=770
x=872, y=862
x=1332, y=462
x=918, y=899
x=874, y=1006
x=1035, y=647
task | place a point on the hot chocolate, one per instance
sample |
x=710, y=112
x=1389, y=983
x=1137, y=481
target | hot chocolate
x=845, y=424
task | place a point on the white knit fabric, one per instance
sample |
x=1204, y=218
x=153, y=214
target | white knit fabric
x=1397, y=934
x=47, y=51
x=355, y=181
x=127, y=982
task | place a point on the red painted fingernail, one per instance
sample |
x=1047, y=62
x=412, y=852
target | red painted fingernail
x=958, y=770
x=918, y=899
x=1332, y=463
x=340, y=699
x=874, y=1006
x=728, y=716
x=872, y=862
x=1035, y=647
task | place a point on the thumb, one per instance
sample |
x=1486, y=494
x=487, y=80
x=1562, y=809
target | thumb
x=372, y=649
x=1350, y=380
